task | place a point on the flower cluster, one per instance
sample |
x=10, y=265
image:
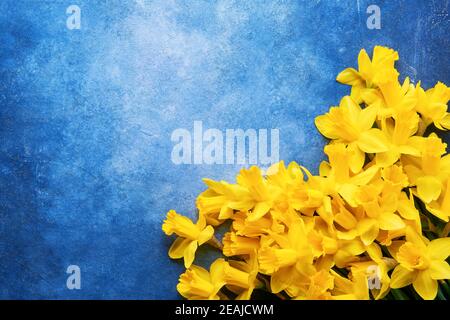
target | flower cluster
x=374, y=219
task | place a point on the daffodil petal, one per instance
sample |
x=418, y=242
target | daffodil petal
x=349, y=76
x=373, y=141
x=439, y=249
x=367, y=117
x=281, y=279
x=428, y=188
x=425, y=286
x=325, y=126
x=401, y=277
x=205, y=235
x=368, y=229
x=260, y=209
x=439, y=270
x=390, y=221
x=189, y=254
x=217, y=272
x=177, y=248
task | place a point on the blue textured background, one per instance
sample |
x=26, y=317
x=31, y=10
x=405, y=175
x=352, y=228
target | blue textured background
x=86, y=117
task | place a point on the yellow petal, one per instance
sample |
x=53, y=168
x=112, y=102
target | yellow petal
x=415, y=238
x=374, y=251
x=445, y=122
x=390, y=221
x=425, y=286
x=407, y=209
x=260, y=209
x=428, y=188
x=281, y=279
x=388, y=158
x=189, y=254
x=205, y=235
x=373, y=141
x=368, y=229
x=401, y=277
x=217, y=273
x=367, y=117
x=439, y=270
x=348, y=192
x=177, y=248
x=394, y=247
x=357, y=158
x=364, y=177
x=349, y=76
x=439, y=249
x=326, y=126
x=364, y=64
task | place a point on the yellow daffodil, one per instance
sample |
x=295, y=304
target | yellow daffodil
x=371, y=72
x=241, y=276
x=291, y=253
x=190, y=235
x=376, y=268
x=339, y=174
x=432, y=106
x=399, y=131
x=353, y=126
x=316, y=287
x=234, y=245
x=441, y=206
x=199, y=284
x=243, y=226
x=429, y=174
x=355, y=287
x=391, y=98
x=214, y=202
x=421, y=263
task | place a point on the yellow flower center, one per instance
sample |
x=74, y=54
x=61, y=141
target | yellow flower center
x=411, y=257
x=272, y=259
x=236, y=277
x=193, y=284
x=236, y=245
x=181, y=226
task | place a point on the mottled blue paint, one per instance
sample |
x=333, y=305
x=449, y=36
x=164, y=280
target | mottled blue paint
x=86, y=117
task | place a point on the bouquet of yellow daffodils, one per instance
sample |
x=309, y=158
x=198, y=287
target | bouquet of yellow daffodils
x=373, y=224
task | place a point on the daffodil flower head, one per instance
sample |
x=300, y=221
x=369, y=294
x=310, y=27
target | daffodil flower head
x=241, y=276
x=199, y=284
x=422, y=263
x=239, y=245
x=190, y=235
x=432, y=106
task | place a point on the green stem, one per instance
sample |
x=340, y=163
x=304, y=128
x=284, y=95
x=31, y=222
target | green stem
x=446, y=287
x=440, y=295
x=399, y=294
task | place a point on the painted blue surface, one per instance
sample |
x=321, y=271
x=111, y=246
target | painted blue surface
x=86, y=117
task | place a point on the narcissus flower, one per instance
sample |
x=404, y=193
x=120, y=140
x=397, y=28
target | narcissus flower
x=241, y=276
x=432, y=106
x=199, y=284
x=422, y=263
x=352, y=125
x=234, y=245
x=190, y=236
x=375, y=218
x=371, y=72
